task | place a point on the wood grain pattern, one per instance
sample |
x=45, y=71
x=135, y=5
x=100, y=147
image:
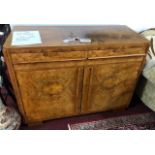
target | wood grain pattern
x=14, y=83
x=109, y=36
x=111, y=87
x=53, y=79
x=48, y=93
x=47, y=56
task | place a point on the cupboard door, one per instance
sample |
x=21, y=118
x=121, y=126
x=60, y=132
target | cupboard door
x=110, y=86
x=50, y=93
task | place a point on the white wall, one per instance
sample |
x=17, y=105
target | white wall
x=137, y=14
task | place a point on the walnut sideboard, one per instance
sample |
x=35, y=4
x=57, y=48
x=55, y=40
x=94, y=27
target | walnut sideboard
x=57, y=79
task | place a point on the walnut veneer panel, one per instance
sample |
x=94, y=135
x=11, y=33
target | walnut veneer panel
x=108, y=53
x=47, y=56
x=50, y=93
x=50, y=56
x=54, y=79
x=109, y=36
x=110, y=86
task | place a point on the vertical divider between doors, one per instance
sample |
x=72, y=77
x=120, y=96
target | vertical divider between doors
x=89, y=88
x=79, y=87
x=86, y=89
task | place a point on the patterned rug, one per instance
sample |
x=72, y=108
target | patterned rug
x=144, y=121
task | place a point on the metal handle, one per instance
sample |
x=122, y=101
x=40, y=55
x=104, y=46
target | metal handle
x=77, y=39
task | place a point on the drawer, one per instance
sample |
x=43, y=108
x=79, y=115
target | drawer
x=46, y=56
x=107, y=53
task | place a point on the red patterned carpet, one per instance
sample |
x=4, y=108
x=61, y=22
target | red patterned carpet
x=136, y=107
x=143, y=121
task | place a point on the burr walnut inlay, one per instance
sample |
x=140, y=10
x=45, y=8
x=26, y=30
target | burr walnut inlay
x=57, y=79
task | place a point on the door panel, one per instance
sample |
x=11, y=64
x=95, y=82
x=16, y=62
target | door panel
x=50, y=93
x=110, y=86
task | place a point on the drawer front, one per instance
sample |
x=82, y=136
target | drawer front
x=46, y=56
x=107, y=53
x=49, y=56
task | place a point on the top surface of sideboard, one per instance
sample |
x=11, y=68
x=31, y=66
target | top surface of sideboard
x=109, y=36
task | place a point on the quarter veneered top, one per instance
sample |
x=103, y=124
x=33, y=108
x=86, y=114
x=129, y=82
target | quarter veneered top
x=108, y=36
